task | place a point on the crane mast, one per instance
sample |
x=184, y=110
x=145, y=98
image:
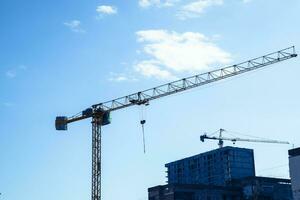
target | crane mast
x=96, y=158
x=100, y=113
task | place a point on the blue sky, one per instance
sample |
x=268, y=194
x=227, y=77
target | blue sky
x=59, y=57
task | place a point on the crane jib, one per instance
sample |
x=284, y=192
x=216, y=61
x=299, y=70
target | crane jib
x=143, y=97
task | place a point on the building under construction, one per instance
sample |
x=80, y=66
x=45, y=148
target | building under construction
x=215, y=167
x=294, y=162
x=226, y=173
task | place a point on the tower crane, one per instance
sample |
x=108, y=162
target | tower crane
x=100, y=113
x=235, y=139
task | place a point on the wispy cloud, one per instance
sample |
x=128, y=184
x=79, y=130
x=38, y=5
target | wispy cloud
x=185, y=9
x=121, y=77
x=106, y=10
x=170, y=53
x=22, y=67
x=157, y=3
x=75, y=26
x=7, y=104
x=151, y=68
x=13, y=72
x=196, y=8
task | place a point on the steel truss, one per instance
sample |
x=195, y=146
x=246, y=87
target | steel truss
x=145, y=96
x=96, y=158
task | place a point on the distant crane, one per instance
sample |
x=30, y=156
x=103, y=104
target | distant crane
x=234, y=140
x=100, y=113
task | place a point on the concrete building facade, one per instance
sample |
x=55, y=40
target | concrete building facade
x=194, y=192
x=251, y=188
x=227, y=173
x=265, y=188
x=294, y=163
x=215, y=167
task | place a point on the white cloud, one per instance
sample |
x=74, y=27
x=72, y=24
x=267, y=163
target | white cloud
x=115, y=77
x=118, y=78
x=186, y=8
x=165, y=55
x=157, y=3
x=75, y=26
x=171, y=53
x=150, y=68
x=196, y=8
x=147, y=3
x=106, y=10
x=22, y=67
x=11, y=74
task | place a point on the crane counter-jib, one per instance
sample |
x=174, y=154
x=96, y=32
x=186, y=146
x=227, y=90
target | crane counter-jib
x=143, y=97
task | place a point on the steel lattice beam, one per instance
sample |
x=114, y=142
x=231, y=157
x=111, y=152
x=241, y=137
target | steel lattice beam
x=145, y=96
x=96, y=158
x=195, y=81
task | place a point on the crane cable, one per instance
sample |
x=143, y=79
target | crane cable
x=143, y=122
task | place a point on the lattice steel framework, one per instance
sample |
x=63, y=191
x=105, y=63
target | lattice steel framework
x=196, y=81
x=96, y=158
x=145, y=96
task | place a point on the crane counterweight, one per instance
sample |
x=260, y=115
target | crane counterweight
x=61, y=123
